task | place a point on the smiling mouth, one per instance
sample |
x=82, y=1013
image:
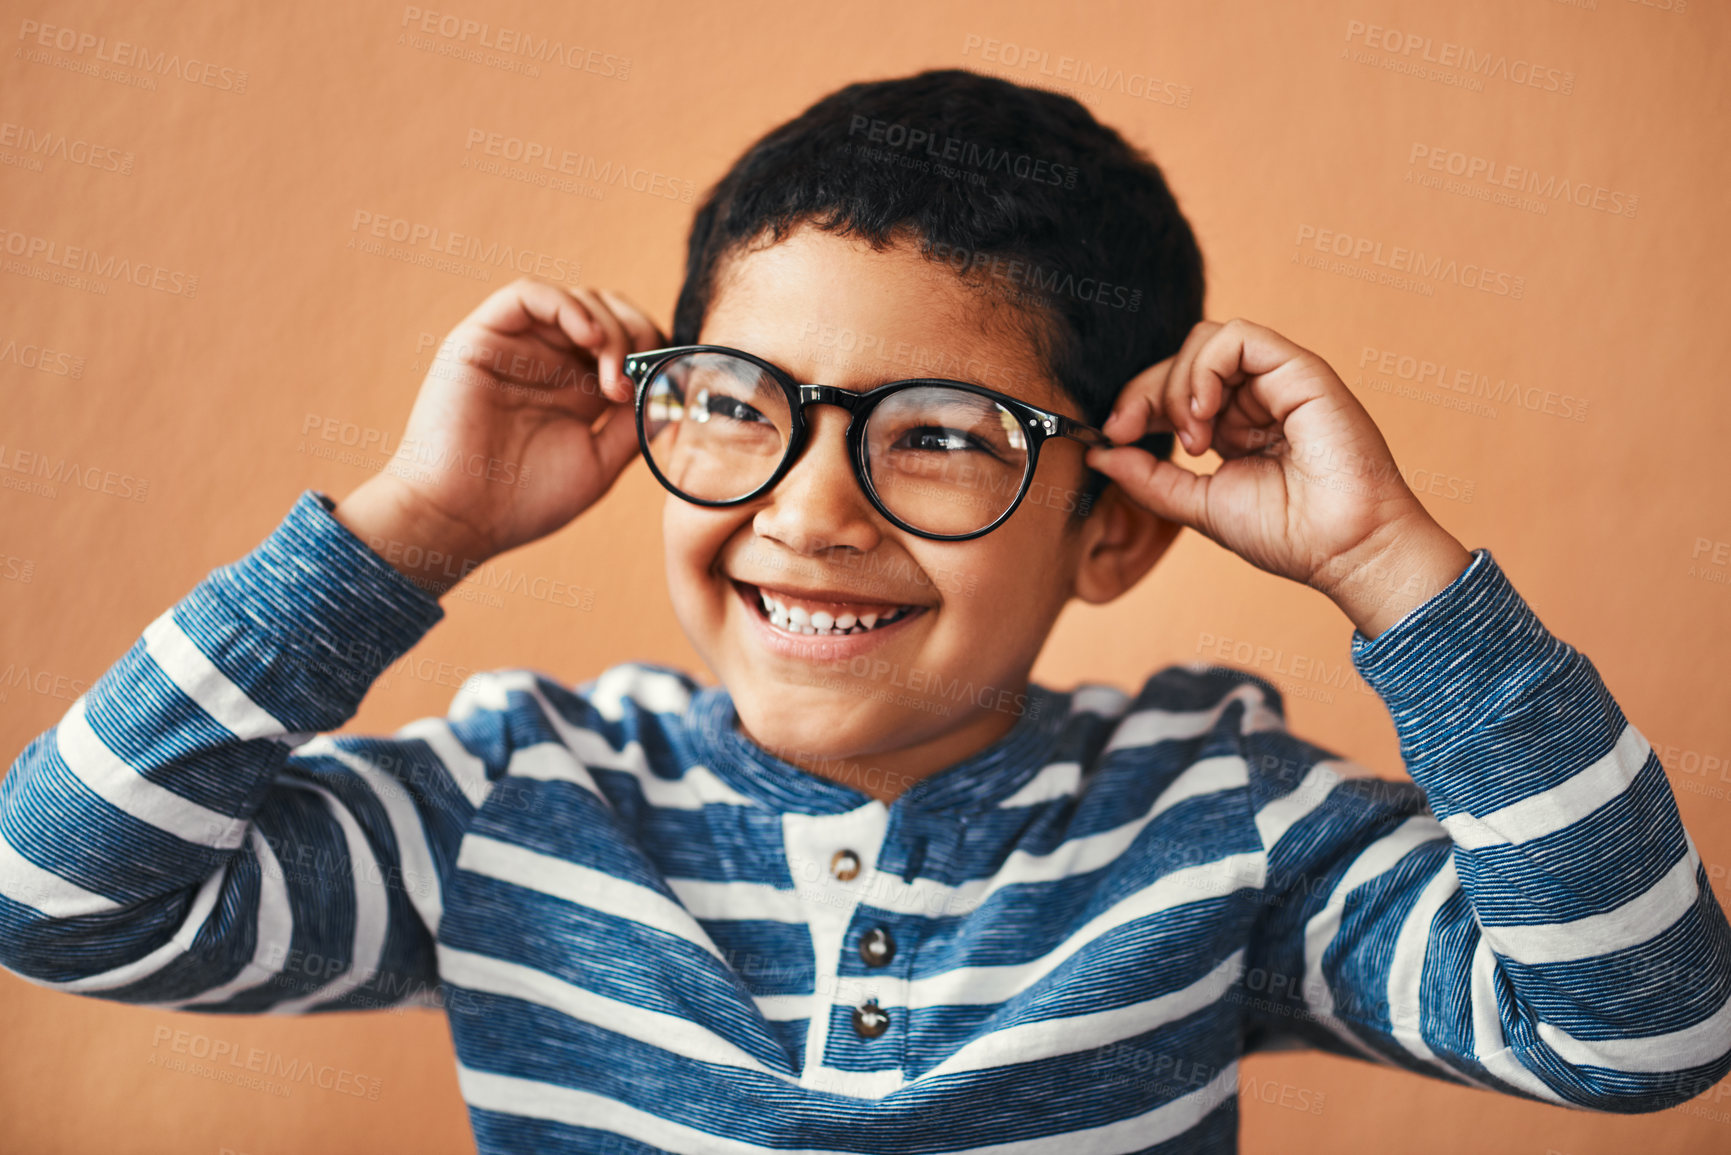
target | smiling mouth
x=805, y=617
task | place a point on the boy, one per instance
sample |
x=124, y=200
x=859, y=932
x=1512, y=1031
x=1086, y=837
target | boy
x=875, y=891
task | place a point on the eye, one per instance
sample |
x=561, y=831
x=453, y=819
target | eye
x=706, y=405
x=942, y=439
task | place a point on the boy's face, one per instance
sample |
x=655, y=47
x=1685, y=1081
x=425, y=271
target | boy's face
x=943, y=682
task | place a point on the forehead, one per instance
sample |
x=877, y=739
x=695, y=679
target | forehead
x=834, y=310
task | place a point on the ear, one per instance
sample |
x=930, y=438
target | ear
x=1121, y=541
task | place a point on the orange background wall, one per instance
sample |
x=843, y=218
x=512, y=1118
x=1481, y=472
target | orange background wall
x=1274, y=123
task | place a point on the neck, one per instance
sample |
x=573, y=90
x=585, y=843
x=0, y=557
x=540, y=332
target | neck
x=886, y=773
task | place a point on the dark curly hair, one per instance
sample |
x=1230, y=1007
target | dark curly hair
x=1015, y=189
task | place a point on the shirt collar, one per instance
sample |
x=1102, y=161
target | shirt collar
x=978, y=782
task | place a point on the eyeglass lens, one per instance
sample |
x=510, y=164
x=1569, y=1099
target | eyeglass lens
x=943, y=460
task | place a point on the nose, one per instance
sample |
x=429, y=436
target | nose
x=818, y=504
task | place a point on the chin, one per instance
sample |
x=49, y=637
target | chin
x=814, y=722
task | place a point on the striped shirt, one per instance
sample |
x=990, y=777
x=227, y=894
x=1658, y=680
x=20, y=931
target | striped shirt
x=649, y=934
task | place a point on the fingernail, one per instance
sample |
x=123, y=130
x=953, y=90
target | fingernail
x=1196, y=405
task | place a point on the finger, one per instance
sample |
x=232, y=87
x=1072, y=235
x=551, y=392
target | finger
x=1137, y=411
x=1175, y=493
x=1141, y=406
x=639, y=328
x=575, y=328
x=610, y=354
x=1241, y=351
x=1244, y=428
x=1175, y=401
x=641, y=333
x=616, y=441
x=1207, y=404
x=527, y=305
x=564, y=323
x=526, y=318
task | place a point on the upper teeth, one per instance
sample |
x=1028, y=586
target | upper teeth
x=798, y=620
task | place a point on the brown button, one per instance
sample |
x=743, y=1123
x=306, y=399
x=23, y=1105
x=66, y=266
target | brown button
x=877, y=947
x=844, y=864
x=870, y=1020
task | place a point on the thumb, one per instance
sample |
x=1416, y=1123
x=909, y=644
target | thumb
x=1175, y=493
x=616, y=442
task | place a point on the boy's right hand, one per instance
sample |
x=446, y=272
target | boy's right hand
x=524, y=421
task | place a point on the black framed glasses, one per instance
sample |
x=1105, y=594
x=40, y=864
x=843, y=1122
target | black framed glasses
x=947, y=460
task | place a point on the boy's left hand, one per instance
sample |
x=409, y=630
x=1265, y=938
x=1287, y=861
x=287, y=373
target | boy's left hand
x=1307, y=488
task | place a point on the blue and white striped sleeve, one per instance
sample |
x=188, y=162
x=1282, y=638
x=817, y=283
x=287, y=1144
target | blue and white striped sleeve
x=188, y=835
x=1544, y=927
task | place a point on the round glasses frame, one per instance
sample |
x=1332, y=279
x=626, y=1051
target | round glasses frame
x=1038, y=425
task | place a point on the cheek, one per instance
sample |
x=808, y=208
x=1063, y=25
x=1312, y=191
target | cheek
x=694, y=540
x=674, y=546
x=690, y=546
x=691, y=535
x=674, y=533
x=972, y=579
x=1017, y=574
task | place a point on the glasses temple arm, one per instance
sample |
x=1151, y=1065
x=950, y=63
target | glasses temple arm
x=1086, y=434
x=1160, y=444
